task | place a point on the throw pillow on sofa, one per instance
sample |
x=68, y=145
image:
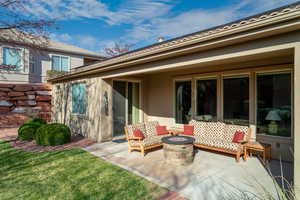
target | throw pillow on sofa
x=138, y=133
x=161, y=130
x=238, y=137
x=188, y=130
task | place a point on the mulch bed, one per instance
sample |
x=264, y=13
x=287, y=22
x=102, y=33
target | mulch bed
x=31, y=146
x=11, y=134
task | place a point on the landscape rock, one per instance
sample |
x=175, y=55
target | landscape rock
x=7, y=85
x=19, y=110
x=30, y=93
x=43, y=93
x=4, y=109
x=4, y=103
x=22, y=88
x=42, y=87
x=16, y=94
x=26, y=103
x=43, y=98
x=5, y=89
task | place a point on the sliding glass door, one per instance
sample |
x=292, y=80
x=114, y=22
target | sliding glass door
x=126, y=105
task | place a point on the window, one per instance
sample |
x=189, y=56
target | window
x=12, y=57
x=206, y=99
x=79, y=101
x=236, y=100
x=183, y=104
x=60, y=63
x=274, y=104
x=31, y=63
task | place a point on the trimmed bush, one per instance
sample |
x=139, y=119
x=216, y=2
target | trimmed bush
x=36, y=120
x=27, y=131
x=53, y=134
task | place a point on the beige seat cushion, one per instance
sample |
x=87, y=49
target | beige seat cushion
x=151, y=128
x=214, y=130
x=151, y=140
x=199, y=127
x=218, y=143
x=231, y=129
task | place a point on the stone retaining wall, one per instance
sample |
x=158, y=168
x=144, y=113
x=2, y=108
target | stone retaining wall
x=28, y=99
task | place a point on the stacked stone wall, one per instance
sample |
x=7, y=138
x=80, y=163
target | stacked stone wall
x=30, y=100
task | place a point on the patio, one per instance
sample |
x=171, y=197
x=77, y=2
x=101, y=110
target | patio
x=211, y=176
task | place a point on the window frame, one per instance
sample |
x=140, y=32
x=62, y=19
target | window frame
x=196, y=92
x=233, y=76
x=22, y=57
x=270, y=72
x=86, y=99
x=174, y=97
x=60, y=61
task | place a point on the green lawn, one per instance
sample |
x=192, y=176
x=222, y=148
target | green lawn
x=68, y=174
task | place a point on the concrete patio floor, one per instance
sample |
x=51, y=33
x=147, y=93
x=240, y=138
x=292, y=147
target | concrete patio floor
x=211, y=176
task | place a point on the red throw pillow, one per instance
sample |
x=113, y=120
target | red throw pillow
x=188, y=130
x=162, y=130
x=238, y=136
x=138, y=133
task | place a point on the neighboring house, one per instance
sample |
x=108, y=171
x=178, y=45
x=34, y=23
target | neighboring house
x=22, y=64
x=245, y=72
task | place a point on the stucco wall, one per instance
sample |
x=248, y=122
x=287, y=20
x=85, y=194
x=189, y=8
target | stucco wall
x=87, y=125
x=42, y=65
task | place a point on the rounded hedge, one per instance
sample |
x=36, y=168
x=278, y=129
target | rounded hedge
x=28, y=130
x=36, y=120
x=53, y=134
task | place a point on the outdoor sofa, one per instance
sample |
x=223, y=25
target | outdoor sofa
x=218, y=136
x=215, y=136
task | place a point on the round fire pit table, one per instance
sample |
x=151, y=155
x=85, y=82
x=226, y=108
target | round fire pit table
x=178, y=150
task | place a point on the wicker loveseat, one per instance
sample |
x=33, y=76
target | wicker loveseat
x=151, y=140
x=218, y=136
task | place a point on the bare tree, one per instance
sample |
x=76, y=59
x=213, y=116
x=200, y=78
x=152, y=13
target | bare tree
x=17, y=25
x=117, y=49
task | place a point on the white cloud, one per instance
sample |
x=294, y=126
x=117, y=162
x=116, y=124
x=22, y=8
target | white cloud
x=199, y=19
x=130, y=12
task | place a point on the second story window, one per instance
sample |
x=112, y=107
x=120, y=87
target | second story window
x=12, y=59
x=31, y=63
x=60, y=63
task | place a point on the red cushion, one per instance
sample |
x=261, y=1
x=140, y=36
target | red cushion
x=161, y=130
x=188, y=130
x=138, y=133
x=238, y=136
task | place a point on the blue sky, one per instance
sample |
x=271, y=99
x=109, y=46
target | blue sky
x=95, y=24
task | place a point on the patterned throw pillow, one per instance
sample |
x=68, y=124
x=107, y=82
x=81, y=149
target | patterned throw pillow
x=138, y=133
x=139, y=126
x=161, y=130
x=231, y=129
x=188, y=130
x=238, y=136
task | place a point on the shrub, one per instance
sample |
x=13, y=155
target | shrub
x=53, y=134
x=28, y=130
x=36, y=120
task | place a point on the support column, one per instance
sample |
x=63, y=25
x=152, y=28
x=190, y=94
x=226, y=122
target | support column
x=297, y=120
x=106, y=120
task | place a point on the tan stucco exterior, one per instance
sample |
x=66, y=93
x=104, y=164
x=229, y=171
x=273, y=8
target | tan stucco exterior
x=273, y=47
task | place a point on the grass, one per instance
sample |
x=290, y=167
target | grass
x=68, y=174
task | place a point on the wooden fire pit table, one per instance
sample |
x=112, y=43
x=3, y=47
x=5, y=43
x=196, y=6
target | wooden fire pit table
x=178, y=150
